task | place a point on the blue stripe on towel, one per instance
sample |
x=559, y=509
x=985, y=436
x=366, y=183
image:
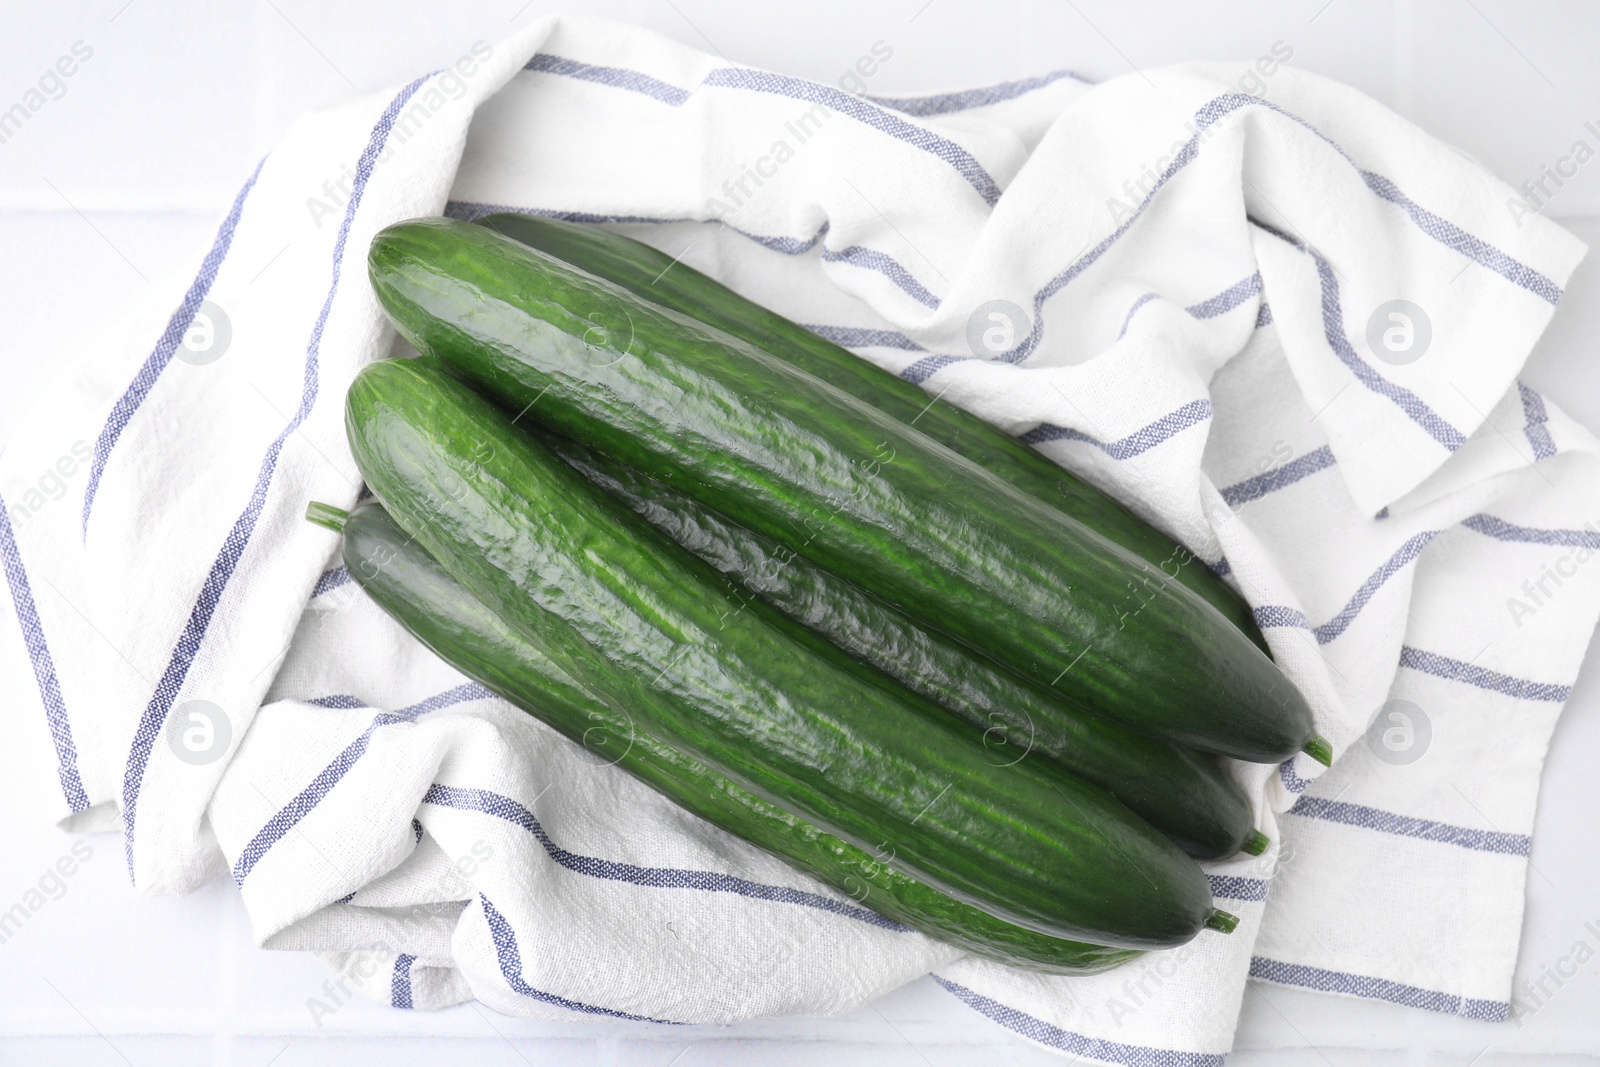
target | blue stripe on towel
x=1127, y=320
x=1415, y=408
x=1278, y=478
x=287, y=817
x=331, y=579
x=502, y=807
x=1277, y=615
x=1430, y=224
x=1501, y=530
x=1228, y=299
x=1459, y=671
x=872, y=259
x=1454, y=237
x=1402, y=557
x=1141, y=440
x=1291, y=779
x=1209, y=308
x=510, y=960
x=155, y=713
x=177, y=326
x=966, y=99
x=1388, y=822
x=1357, y=985
x=868, y=114
x=1232, y=887
x=400, y=981
x=760, y=81
x=864, y=337
x=44, y=667
x=1077, y=1044
x=1536, y=431
x=616, y=77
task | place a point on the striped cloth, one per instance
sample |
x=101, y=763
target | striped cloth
x=1182, y=290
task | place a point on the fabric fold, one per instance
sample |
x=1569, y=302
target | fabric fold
x=1283, y=325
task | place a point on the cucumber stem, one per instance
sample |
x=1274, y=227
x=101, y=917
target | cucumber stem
x=327, y=515
x=1221, y=921
x=1256, y=843
x=1320, y=749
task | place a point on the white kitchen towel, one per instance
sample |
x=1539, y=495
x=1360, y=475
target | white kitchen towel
x=1278, y=320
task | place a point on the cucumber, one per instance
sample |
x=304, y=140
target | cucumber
x=853, y=490
x=408, y=583
x=660, y=279
x=730, y=681
x=1186, y=795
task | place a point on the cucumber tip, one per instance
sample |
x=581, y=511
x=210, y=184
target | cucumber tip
x=1319, y=749
x=1255, y=843
x=326, y=515
x=1221, y=921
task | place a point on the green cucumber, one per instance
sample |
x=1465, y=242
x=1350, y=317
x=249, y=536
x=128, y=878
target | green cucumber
x=654, y=276
x=1184, y=794
x=647, y=626
x=408, y=583
x=851, y=489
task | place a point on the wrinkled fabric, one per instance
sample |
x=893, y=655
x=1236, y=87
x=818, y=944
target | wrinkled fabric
x=1273, y=317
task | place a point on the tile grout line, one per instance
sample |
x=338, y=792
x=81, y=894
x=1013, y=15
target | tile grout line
x=113, y=203
x=1403, y=58
x=227, y=1017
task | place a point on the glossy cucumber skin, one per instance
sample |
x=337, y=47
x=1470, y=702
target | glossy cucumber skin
x=654, y=276
x=728, y=680
x=855, y=491
x=1184, y=794
x=408, y=583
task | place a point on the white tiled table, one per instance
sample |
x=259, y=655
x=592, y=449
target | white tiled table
x=121, y=179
